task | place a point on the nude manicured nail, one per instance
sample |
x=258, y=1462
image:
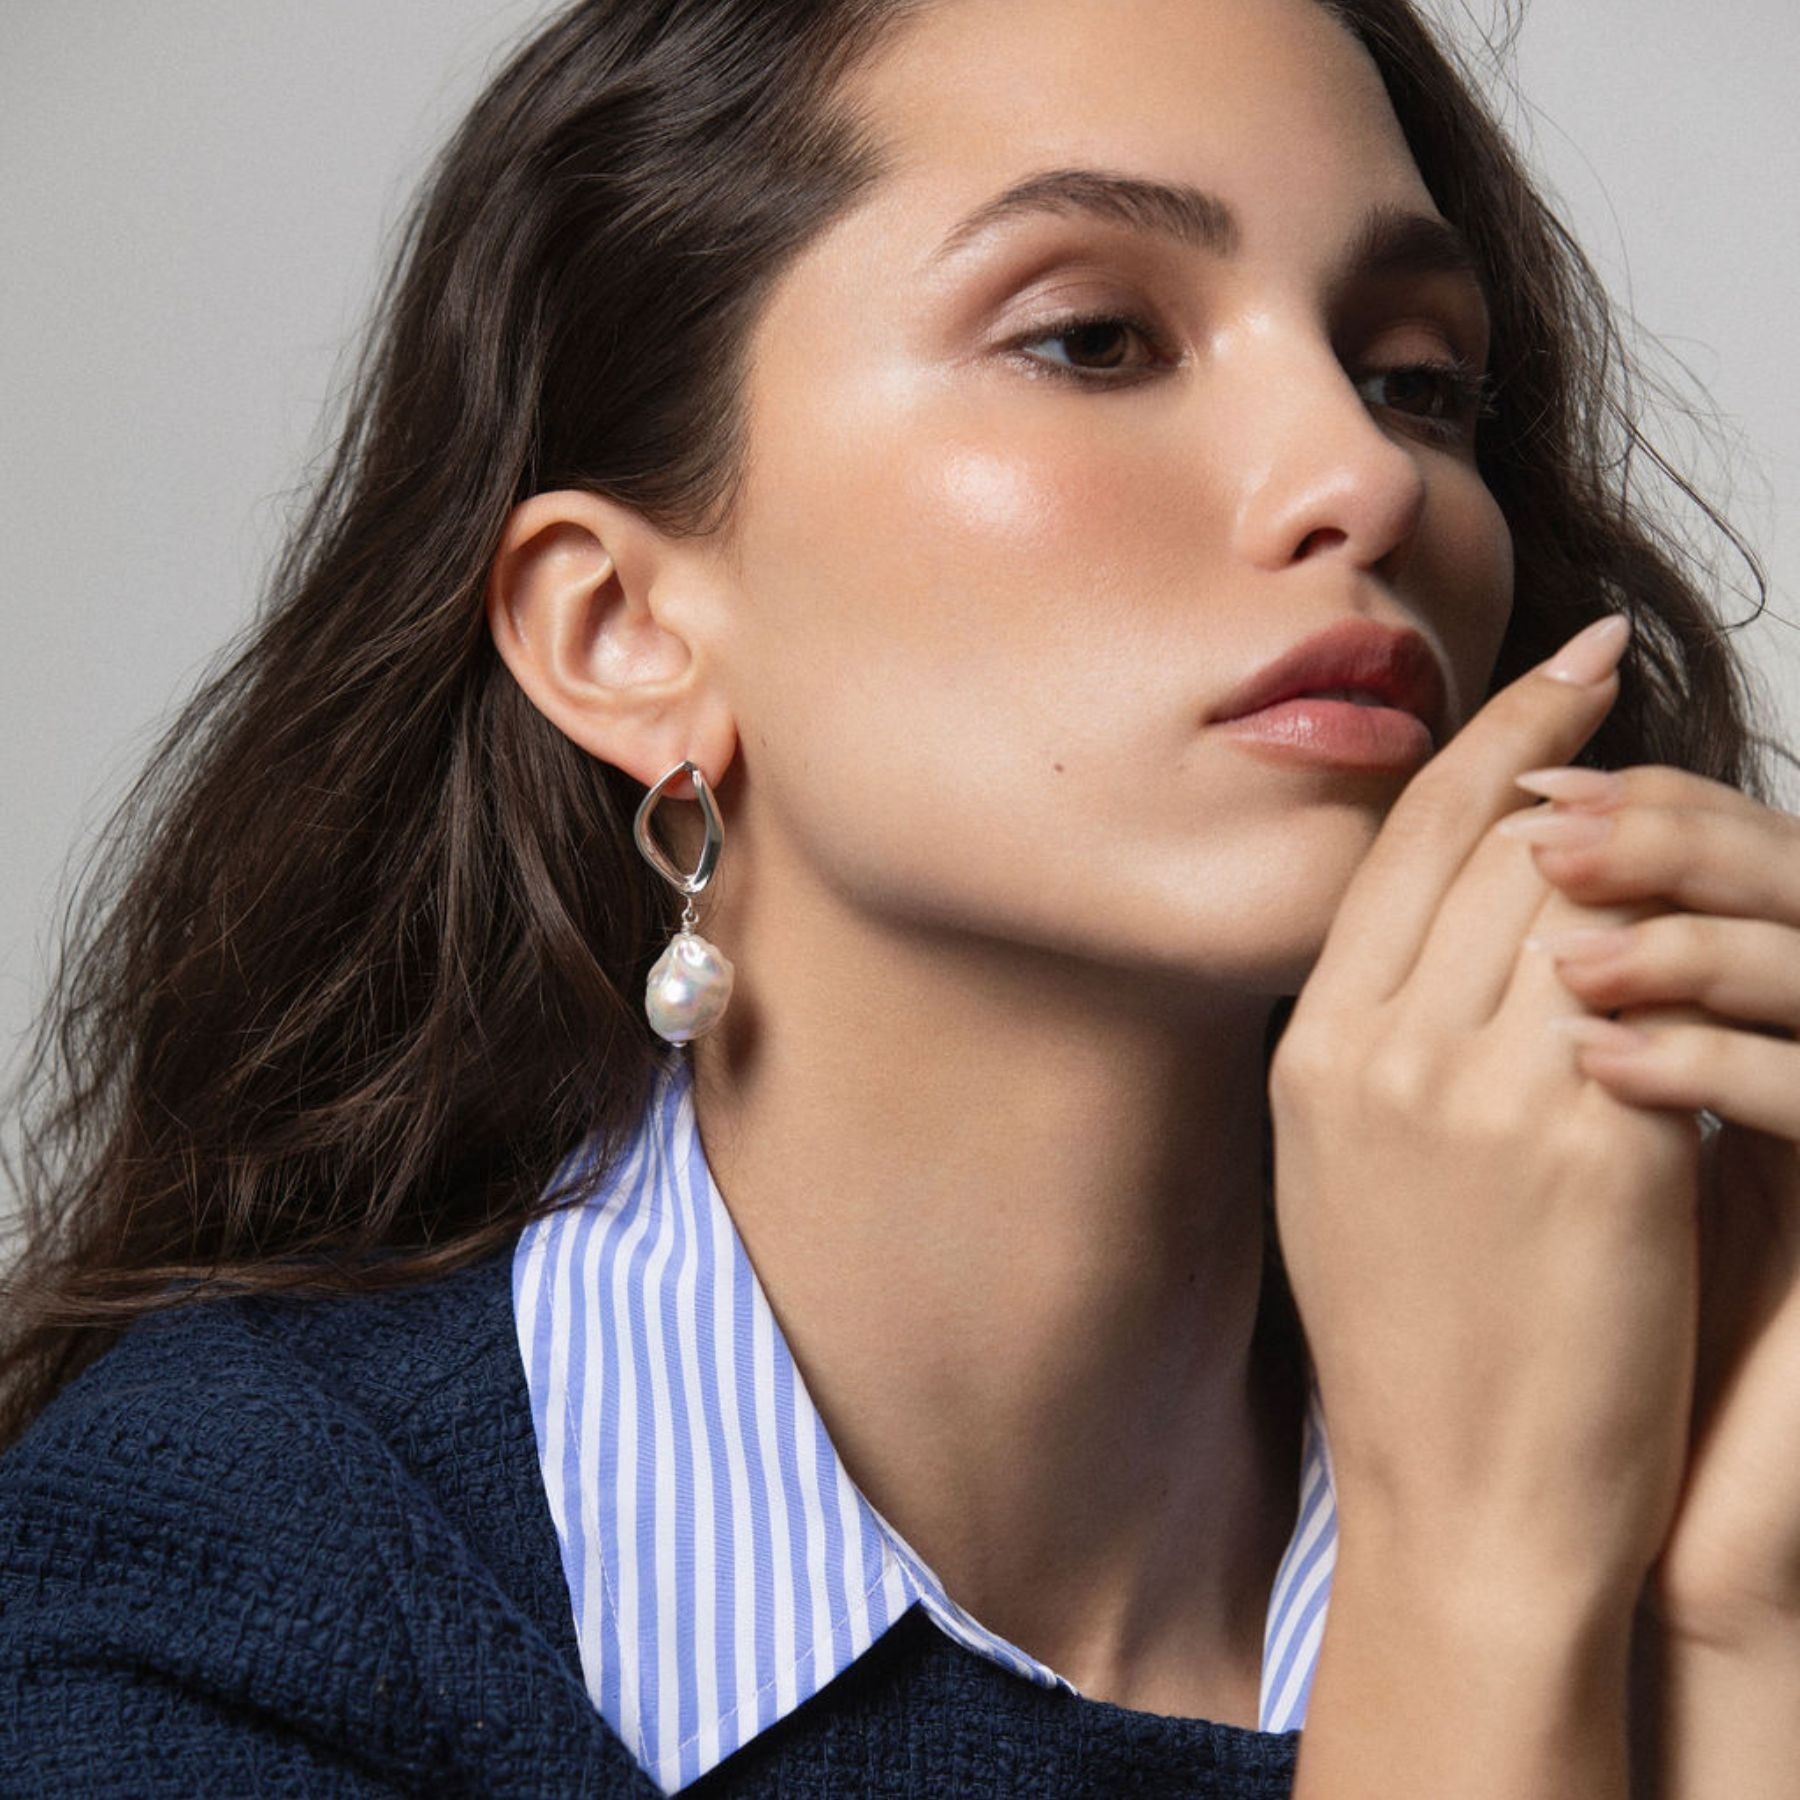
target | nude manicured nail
x=1591, y=655
x=1554, y=830
x=1579, y=787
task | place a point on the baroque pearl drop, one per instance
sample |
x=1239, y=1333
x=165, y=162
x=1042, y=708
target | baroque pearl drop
x=688, y=988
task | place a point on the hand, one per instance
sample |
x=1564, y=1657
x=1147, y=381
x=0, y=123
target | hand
x=1728, y=948
x=1494, y=1259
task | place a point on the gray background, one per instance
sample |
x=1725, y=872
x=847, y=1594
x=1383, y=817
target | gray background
x=195, y=197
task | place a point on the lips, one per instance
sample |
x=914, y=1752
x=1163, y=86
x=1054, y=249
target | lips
x=1397, y=665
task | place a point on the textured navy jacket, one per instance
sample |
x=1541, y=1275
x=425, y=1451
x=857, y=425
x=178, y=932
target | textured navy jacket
x=302, y=1547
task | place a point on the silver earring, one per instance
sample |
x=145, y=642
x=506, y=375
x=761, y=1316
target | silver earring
x=691, y=981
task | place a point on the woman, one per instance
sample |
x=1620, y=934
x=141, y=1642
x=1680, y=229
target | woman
x=865, y=471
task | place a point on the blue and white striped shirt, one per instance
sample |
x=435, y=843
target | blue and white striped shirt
x=722, y=1566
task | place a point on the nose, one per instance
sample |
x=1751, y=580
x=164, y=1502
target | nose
x=1321, y=474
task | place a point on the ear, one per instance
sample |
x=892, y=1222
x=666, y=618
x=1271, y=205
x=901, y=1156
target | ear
x=601, y=619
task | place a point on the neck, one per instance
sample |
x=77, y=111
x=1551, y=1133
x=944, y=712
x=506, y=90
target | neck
x=1009, y=1215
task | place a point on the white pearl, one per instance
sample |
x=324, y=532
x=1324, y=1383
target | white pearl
x=687, y=989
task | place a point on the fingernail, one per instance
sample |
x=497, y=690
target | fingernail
x=1582, y=943
x=1591, y=655
x=1609, y=1035
x=1554, y=830
x=1581, y=787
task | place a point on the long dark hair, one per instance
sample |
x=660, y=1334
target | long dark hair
x=363, y=952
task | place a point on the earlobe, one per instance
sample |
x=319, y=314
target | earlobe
x=569, y=607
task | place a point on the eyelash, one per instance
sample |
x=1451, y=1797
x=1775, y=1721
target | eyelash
x=1469, y=391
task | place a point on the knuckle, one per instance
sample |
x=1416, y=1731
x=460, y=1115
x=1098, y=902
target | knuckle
x=1303, y=1060
x=1398, y=1078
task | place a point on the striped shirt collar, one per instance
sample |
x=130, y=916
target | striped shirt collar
x=722, y=1566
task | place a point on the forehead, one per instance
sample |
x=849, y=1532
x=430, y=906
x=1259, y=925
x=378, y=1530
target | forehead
x=1270, y=103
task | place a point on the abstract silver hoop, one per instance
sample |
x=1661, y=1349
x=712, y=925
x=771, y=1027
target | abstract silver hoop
x=690, y=984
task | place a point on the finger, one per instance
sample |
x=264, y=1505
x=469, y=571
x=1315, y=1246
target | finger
x=1740, y=1075
x=1741, y=970
x=1535, y=993
x=1381, y=924
x=1643, y=784
x=1703, y=859
x=1474, y=943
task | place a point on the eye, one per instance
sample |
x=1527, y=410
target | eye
x=1098, y=346
x=1454, y=395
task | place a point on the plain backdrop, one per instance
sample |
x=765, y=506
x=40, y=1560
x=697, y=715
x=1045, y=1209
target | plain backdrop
x=195, y=197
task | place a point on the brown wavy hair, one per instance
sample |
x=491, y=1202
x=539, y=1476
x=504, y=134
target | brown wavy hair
x=363, y=952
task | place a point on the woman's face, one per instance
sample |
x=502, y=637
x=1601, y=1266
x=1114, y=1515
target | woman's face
x=992, y=578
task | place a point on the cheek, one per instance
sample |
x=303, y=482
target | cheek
x=1047, y=548
x=1031, y=526
x=1001, y=573
x=979, y=634
x=978, y=493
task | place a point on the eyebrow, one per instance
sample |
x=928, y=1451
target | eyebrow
x=1390, y=240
